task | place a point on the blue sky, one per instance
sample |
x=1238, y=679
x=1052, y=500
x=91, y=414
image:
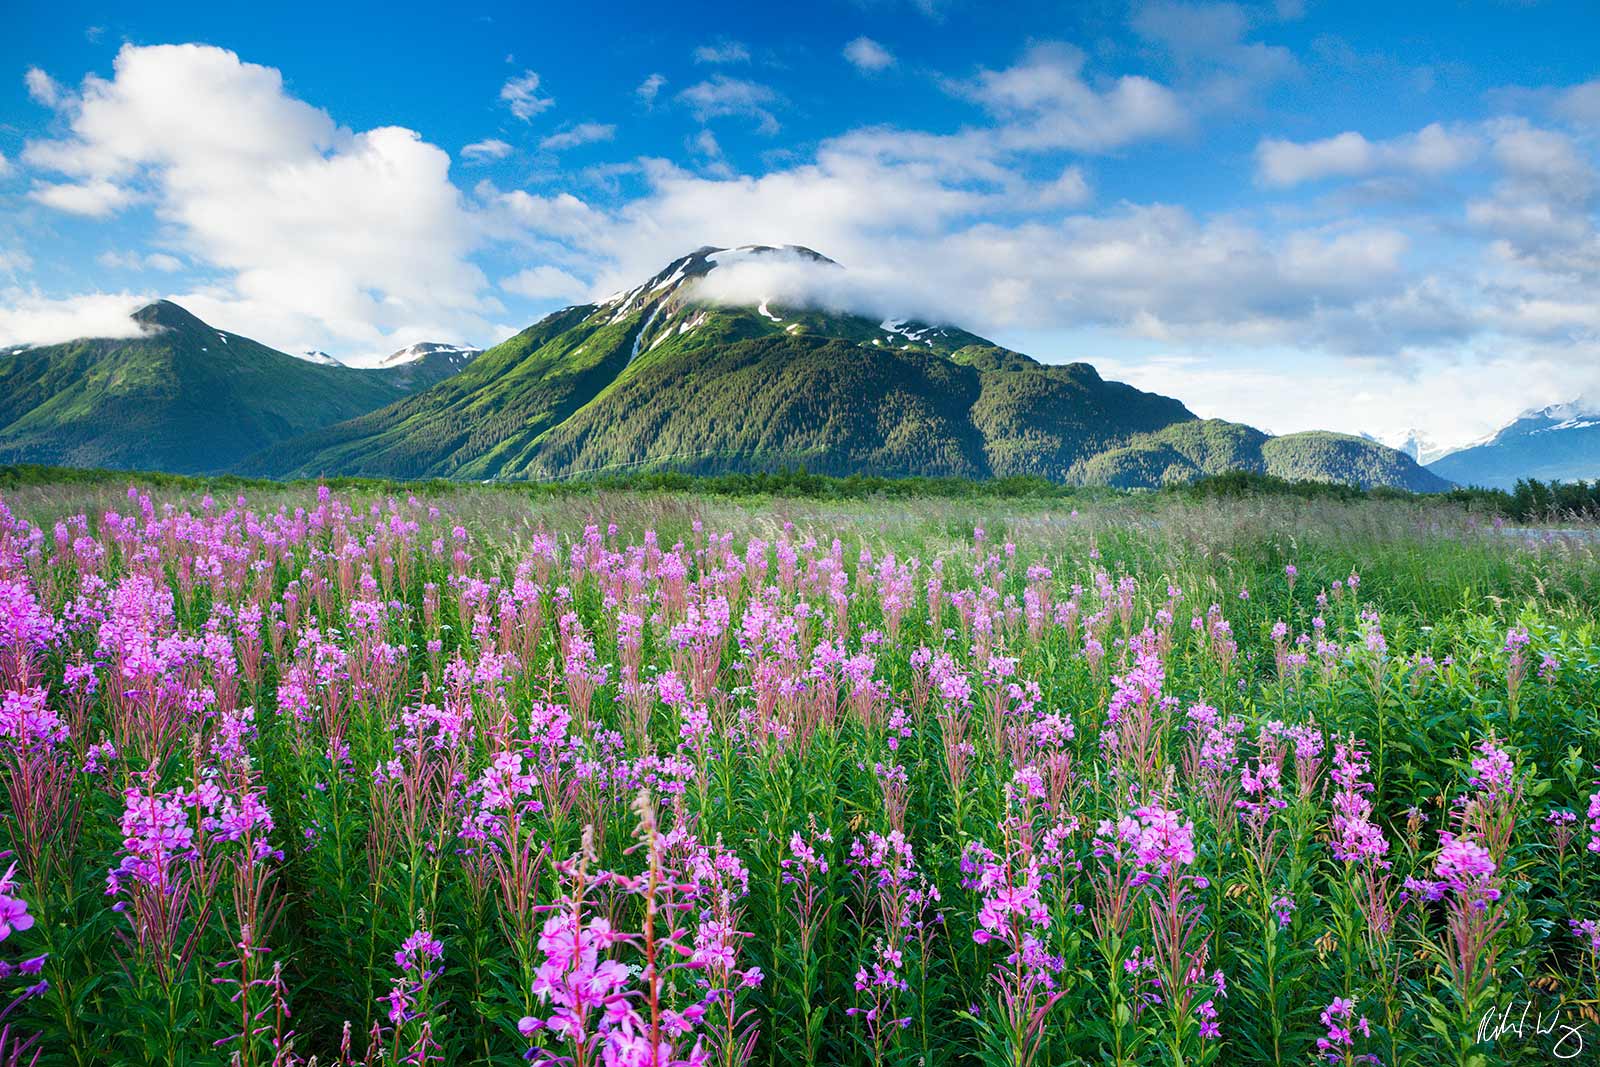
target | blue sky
x=1293, y=214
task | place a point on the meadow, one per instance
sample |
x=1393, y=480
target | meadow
x=465, y=775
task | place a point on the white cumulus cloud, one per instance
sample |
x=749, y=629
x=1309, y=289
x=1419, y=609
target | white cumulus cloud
x=1430, y=150
x=484, y=151
x=581, y=134
x=721, y=96
x=650, y=88
x=722, y=52
x=322, y=234
x=96, y=199
x=1044, y=102
x=544, y=283
x=868, y=55
x=521, y=95
x=28, y=317
x=160, y=261
x=42, y=87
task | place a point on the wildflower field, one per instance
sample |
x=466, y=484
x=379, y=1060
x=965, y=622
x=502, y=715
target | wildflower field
x=617, y=779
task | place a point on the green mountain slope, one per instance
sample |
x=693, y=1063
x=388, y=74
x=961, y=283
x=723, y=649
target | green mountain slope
x=1186, y=451
x=661, y=377
x=182, y=397
x=656, y=378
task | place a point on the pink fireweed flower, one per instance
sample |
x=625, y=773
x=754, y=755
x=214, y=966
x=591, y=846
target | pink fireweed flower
x=1342, y=1024
x=418, y=959
x=25, y=629
x=1356, y=839
x=1164, y=841
x=878, y=986
x=27, y=721
x=1463, y=869
x=575, y=980
x=1309, y=746
x=1563, y=826
x=1014, y=915
x=803, y=854
x=418, y=952
x=13, y=909
x=1594, y=822
x=157, y=836
x=1492, y=770
x=1466, y=867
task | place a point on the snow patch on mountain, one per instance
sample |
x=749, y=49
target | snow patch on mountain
x=1573, y=414
x=644, y=328
x=1557, y=442
x=1418, y=444
x=314, y=356
x=453, y=354
x=761, y=277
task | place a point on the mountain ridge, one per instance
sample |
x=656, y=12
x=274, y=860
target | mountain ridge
x=1558, y=442
x=658, y=376
x=181, y=396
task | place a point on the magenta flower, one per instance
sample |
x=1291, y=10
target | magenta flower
x=1594, y=822
x=1343, y=1024
x=1466, y=868
x=1163, y=840
x=13, y=909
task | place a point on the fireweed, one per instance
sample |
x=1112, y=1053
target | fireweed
x=1467, y=888
x=360, y=777
x=1016, y=917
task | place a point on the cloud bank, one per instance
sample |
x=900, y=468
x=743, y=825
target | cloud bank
x=319, y=233
x=307, y=233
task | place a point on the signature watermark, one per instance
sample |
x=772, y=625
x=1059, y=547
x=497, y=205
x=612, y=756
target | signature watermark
x=1561, y=1031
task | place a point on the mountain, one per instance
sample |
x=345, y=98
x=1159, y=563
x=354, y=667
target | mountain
x=1556, y=443
x=1417, y=444
x=182, y=396
x=659, y=376
x=456, y=355
x=426, y=363
x=1185, y=451
x=412, y=368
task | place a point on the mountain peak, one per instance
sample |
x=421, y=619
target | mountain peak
x=1557, y=442
x=454, y=354
x=800, y=251
x=1418, y=444
x=167, y=315
x=695, y=265
x=1581, y=407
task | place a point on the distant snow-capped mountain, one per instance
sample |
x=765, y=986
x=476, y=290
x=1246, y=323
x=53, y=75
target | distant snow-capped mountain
x=425, y=363
x=1418, y=444
x=1560, y=442
x=455, y=355
x=412, y=367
